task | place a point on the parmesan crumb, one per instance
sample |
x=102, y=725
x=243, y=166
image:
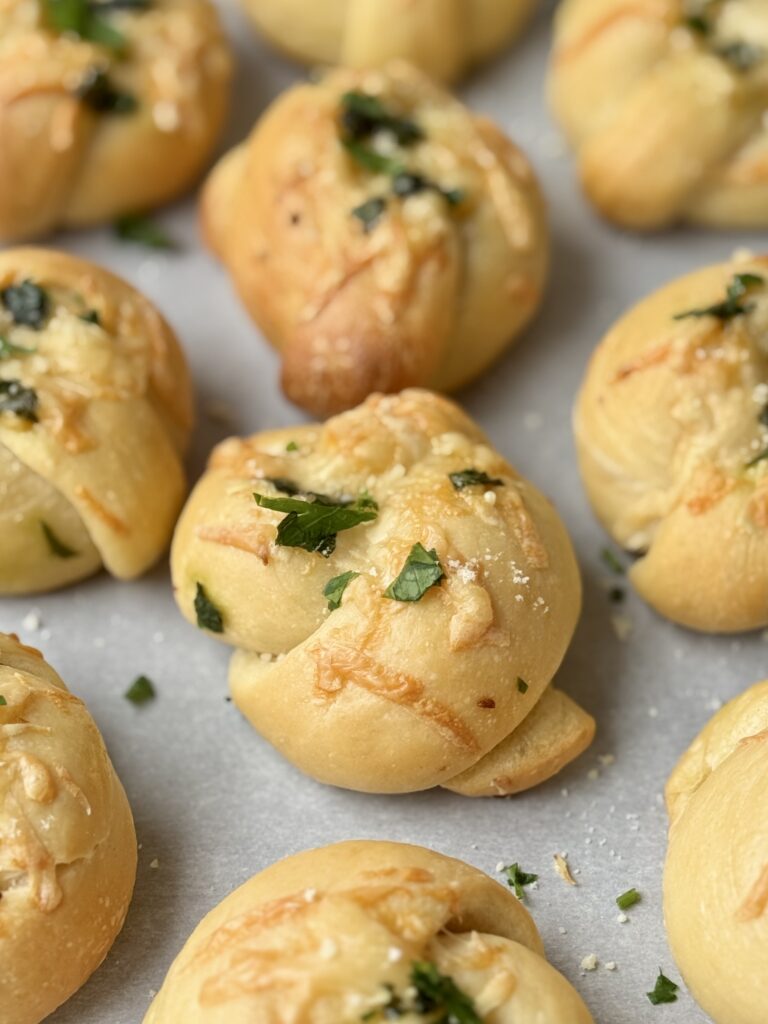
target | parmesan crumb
x=154, y=863
x=622, y=918
x=611, y=965
x=32, y=622
x=561, y=867
x=589, y=963
x=310, y=895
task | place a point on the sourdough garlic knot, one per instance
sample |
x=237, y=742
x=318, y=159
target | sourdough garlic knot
x=95, y=413
x=716, y=874
x=67, y=843
x=380, y=234
x=665, y=103
x=672, y=438
x=105, y=108
x=400, y=599
x=367, y=931
x=445, y=38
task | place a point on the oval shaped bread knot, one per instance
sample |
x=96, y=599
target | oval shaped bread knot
x=380, y=234
x=104, y=113
x=356, y=931
x=664, y=102
x=672, y=438
x=716, y=874
x=95, y=414
x=445, y=38
x=67, y=842
x=453, y=600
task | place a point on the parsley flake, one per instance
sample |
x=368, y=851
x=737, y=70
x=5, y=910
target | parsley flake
x=10, y=351
x=21, y=401
x=731, y=306
x=439, y=993
x=760, y=457
x=313, y=525
x=334, y=589
x=628, y=899
x=27, y=303
x=408, y=183
x=57, y=547
x=370, y=212
x=141, y=691
x=522, y=686
x=472, y=478
x=665, y=990
x=208, y=615
x=363, y=115
x=422, y=570
x=97, y=92
x=291, y=447
x=3, y=701
x=135, y=227
x=517, y=879
x=611, y=561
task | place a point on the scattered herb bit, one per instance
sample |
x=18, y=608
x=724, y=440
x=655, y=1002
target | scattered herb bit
x=334, y=589
x=698, y=23
x=517, y=879
x=439, y=992
x=611, y=561
x=732, y=305
x=8, y=350
x=27, y=303
x=616, y=595
x=84, y=19
x=421, y=571
x=522, y=686
x=760, y=457
x=291, y=447
x=313, y=525
x=97, y=92
x=3, y=701
x=135, y=227
x=472, y=478
x=370, y=212
x=740, y=55
x=56, y=546
x=407, y=183
x=21, y=401
x=665, y=991
x=370, y=159
x=140, y=691
x=208, y=615
x=628, y=899
x=363, y=115
x=91, y=317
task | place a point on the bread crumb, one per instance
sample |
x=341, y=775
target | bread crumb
x=611, y=965
x=589, y=963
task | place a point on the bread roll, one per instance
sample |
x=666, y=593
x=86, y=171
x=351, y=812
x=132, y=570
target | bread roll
x=664, y=102
x=104, y=111
x=445, y=38
x=67, y=843
x=672, y=438
x=716, y=875
x=340, y=934
x=453, y=600
x=95, y=413
x=373, y=264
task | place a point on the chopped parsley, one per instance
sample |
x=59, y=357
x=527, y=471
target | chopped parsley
x=9, y=351
x=91, y=317
x=370, y=212
x=135, y=227
x=313, y=525
x=97, y=92
x=368, y=158
x=439, y=993
x=27, y=303
x=3, y=701
x=522, y=686
x=421, y=571
x=760, y=457
x=665, y=990
x=517, y=879
x=616, y=595
x=208, y=615
x=363, y=115
x=407, y=183
x=140, y=691
x=57, y=547
x=611, y=561
x=732, y=306
x=291, y=447
x=17, y=399
x=334, y=589
x=628, y=899
x=85, y=19
x=473, y=478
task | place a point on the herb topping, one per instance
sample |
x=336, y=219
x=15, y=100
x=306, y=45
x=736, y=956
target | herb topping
x=140, y=691
x=313, y=525
x=370, y=212
x=135, y=227
x=472, y=478
x=611, y=561
x=522, y=686
x=665, y=991
x=57, y=547
x=27, y=303
x=3, y=701
x=628, y=899
x=85, y=19
x=732, y=305
x=97, y=92
x=433, y=993
x=208, y=615
x=363, y=115
x=517, y=879
x=421, y=571
x=334, y=589
x=291, y=447
x=21, y=401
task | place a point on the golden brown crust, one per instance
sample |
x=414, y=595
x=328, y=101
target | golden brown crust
x=63, y=164
x=101, y=463
x=667, y=121
x=670, y=427
x=428, y=296
x=67, y=843
x=409, y=694
x=317, y=937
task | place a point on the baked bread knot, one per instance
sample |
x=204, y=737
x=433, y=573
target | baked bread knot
x=95, y=413
x=380, y=234
x=672, y=439
x=67, y=843
x=716, y=874
x=445, y=38
x=664, y=102
x=371, y=931
x=399, y=598
x=105, y=108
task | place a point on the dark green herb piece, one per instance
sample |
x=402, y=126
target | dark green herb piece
x=616, y=595
x=363, y=115
x=732, y=305
x=140, y=691
x=611, y=561
x=334, y=589
x=370, y=212
x=421, y=571
x=208, y=615
x=313, y=525
x=439, y=993
x=522, y=686
x=57, y=547
x=123, y=5
x=760, y=457
x=472, y=478
x=3, y=701
x=97, y=92
x=370, y=159
x=8, y=350
x=407, y=183
x=135, y=227
x=699, y=24
x=628, y=899
x=83, y=18
x=665, y=991
x=740, y=55
x=27, y=303
x=21, y=401
x=291, y=447
x=517, y=879
x=91, y=317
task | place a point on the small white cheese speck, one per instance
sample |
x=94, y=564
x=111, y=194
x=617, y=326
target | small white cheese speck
x=622, y=918
x=563, y=931
x=154, y=863
x=31, y=622
x=653, y=712
x=394, y=954
x=593, y=774
x=489, y=497
x=500, y=866
x=611, y=965
x=606, y=759
x=589, y=963
x=310, y=895
x=328, y=948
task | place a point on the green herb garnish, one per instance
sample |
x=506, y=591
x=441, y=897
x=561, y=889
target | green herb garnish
x=21, y=401
x=3, y=701
x=407, y=183
x=85, y=19
x=91, y=317
x=616, y=595
x=421, y=571
x=291, y=447
x=313, y=525
x=472, y=478
x=370, y=212
x=370, y=159
x=760, y=457
x=56, y=546
x=628, y=899
x=363, y=115
x=8, y=350
x=611, y=561
x=334, y=589
x=135, y=227
x=208, y=615
x=517, y=879
x=140, y=691
x=27, y=303
x=522, y=686
x=665, y=991
x=732, y=305
x=438, y=993
x=97, y=92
